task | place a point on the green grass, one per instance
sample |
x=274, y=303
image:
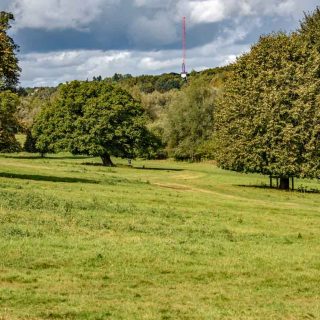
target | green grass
x=170, y=241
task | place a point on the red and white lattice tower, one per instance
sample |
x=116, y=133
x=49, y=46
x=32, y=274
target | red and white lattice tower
x=184, y=73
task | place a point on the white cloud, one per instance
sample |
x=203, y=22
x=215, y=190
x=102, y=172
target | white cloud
x=154, y=64
x=207, y=11
x=231, y=58
x=211, y=11
x=53, y=68
x=55, y=14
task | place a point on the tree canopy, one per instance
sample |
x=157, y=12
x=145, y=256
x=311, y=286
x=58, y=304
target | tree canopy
x=9, y=69
x=310, y=28
x=268, y=117
x=8, y=122
x=94, y=118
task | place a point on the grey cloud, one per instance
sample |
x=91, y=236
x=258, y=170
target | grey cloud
x=65, y=39
x=160, y=29
x=4, y=4
x=154, y=3
x=55, y=67
x=139, y=24
x=57, y=14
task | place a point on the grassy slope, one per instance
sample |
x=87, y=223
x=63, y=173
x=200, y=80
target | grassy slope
x=86, y=242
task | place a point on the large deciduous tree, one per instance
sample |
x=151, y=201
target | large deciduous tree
x=9, y=68
x=8, y=122
x=9, y=74
x=94, y=118
x=268, y=117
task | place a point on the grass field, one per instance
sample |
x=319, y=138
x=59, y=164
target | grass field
x=164, y=241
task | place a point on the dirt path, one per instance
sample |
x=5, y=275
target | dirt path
x=183, y=187
x=222, y=196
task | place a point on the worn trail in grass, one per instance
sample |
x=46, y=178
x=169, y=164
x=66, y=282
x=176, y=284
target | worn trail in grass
x=162, y=240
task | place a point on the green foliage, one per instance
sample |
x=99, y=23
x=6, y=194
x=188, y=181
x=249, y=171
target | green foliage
x=169, y=82
x=310, y=28
x=94, y=118
x=268, y=116
x=214, y=76
x=8, y=142
x=117, y=77
x=189, y=122
x=156, y=103
x=9, y=69
x=148, y=83
x=44, y=131
x=32, y=102
x=9, y=75
x=8, y=122
x=30, y=143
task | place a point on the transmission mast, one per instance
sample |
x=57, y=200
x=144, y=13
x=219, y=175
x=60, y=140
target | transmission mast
x=184, y=73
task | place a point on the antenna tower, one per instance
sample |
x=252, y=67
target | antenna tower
x=184, y=49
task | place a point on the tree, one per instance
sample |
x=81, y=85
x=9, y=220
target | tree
x=9, y=69
x=43, y=134
x=310, y=29
x=309, y=33
x=31, y=103
x=9, y=74
x=30, y=143
x=94, y=118
x=167, y=82
x=8, y=122
x=190, y=121
x=268, y=117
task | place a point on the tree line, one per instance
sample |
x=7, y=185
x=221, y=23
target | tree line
x=260, y=114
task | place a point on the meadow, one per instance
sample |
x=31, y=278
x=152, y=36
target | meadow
x=159, y=240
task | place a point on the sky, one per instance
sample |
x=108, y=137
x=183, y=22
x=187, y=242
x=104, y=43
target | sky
x=63, y=40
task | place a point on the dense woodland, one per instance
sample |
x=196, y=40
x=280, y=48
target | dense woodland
x=260, y=114
x=177, y=114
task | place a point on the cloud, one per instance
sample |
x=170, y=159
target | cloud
x=155, y=64
x=52, y=68
x=153, y=3
x=212, y=11
x=4, y=4
x=61, y=40
x=207, y=11
x=159, y=29
x=56, y=14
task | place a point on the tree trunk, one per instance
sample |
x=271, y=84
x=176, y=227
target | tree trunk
x=106, y=160
x=284, y=184
x=292, y=183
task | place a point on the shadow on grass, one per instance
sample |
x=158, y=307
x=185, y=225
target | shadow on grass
x=44, y=178
x=159, y=169
x=96, y=164
x=299, y=189
x=34, y=157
